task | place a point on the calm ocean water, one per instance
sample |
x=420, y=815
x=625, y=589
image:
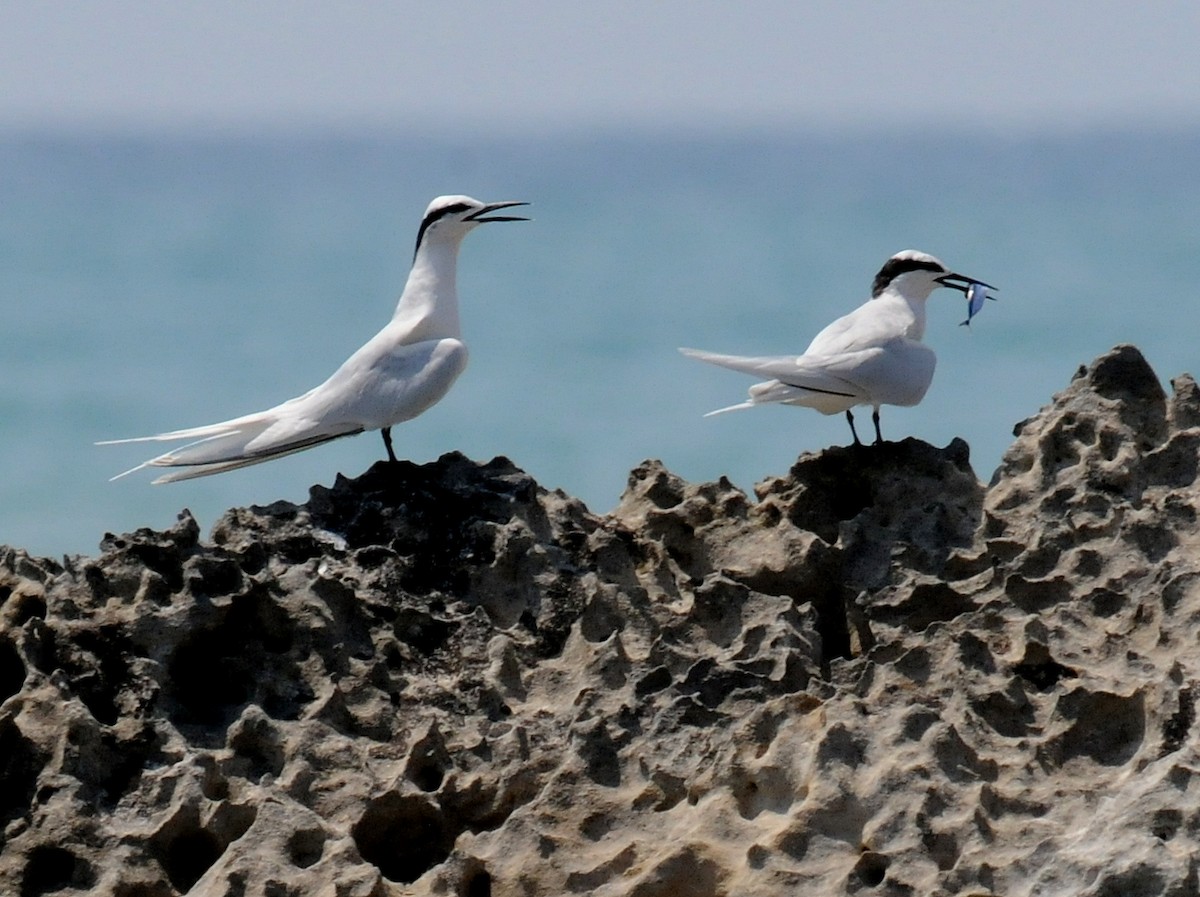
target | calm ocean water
x=154, y=283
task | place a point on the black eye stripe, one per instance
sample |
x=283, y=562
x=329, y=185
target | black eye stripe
x=893, y=268
x=435, y=215
x=451, y=209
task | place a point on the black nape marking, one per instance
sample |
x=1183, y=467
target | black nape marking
x=894, y=267
x=437, y=214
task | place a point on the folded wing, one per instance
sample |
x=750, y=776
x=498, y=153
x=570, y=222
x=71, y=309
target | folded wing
x=897, y=372
x=376, y=387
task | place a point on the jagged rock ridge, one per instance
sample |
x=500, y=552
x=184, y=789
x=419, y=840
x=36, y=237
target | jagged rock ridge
x=879, y=677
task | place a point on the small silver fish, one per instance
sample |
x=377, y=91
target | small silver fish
x=976, y=293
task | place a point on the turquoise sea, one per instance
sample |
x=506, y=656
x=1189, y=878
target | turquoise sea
x=154, y=282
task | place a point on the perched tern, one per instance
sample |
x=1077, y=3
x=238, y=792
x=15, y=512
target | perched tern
x=404, y=369
x=872, y=356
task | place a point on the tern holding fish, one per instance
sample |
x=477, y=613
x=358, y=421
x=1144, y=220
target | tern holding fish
x=403, y=370
x=872, y=356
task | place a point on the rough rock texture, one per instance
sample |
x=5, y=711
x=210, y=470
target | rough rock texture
x=880, y=678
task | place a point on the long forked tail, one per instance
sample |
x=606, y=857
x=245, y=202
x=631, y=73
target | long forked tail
x=729, y=361
x=740, y=406
x=806, y=380
x=761, y=366
x=227, y=446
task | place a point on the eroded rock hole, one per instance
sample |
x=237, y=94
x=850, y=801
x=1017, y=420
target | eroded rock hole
x=30, y=607
x=12, y=670
x=1176, y=729
x=1010, y=715
x=599, y=752
x=187, y=857
x=833, y=625
x=243, y=659
x=305, y=847
x=19, y=767
x=871, y=869
x=1166, y=824
x=208, y=679
x=208, y=575
x=258, y=747
x=1041, y=670
x=654, y=681
x=404, y=836
x=165, y=560
x=95, y=662
x=1107, y=728
x=120, y=762
x=478, y=884
x=52, y=869
x=422, y=631
x=141, y=889
x=428, y=762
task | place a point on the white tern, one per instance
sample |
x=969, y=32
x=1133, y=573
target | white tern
x=872, y=356
x=404, y=369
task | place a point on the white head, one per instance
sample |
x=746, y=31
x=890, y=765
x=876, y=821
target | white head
x=915, y=275
x=450, y=218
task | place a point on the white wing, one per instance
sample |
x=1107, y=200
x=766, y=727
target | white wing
x=376, y=387
x=874, y=323
x=896, y=373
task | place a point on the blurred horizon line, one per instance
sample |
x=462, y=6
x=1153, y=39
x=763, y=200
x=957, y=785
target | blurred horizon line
x=600, y=127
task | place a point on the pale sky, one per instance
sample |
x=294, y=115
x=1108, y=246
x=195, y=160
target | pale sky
x=556, y=64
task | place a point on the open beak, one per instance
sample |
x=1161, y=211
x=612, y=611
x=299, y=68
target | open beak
x=494, y=207
x=961, y=282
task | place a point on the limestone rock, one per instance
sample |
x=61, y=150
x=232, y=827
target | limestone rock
x=877, y=676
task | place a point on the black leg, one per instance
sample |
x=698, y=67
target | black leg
x=853, y=432
x=875, y=418
x=387, y=443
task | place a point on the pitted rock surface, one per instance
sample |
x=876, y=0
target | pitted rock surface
x=875, y=677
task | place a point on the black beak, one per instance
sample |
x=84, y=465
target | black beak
x=961, y=282
x=493, y=207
